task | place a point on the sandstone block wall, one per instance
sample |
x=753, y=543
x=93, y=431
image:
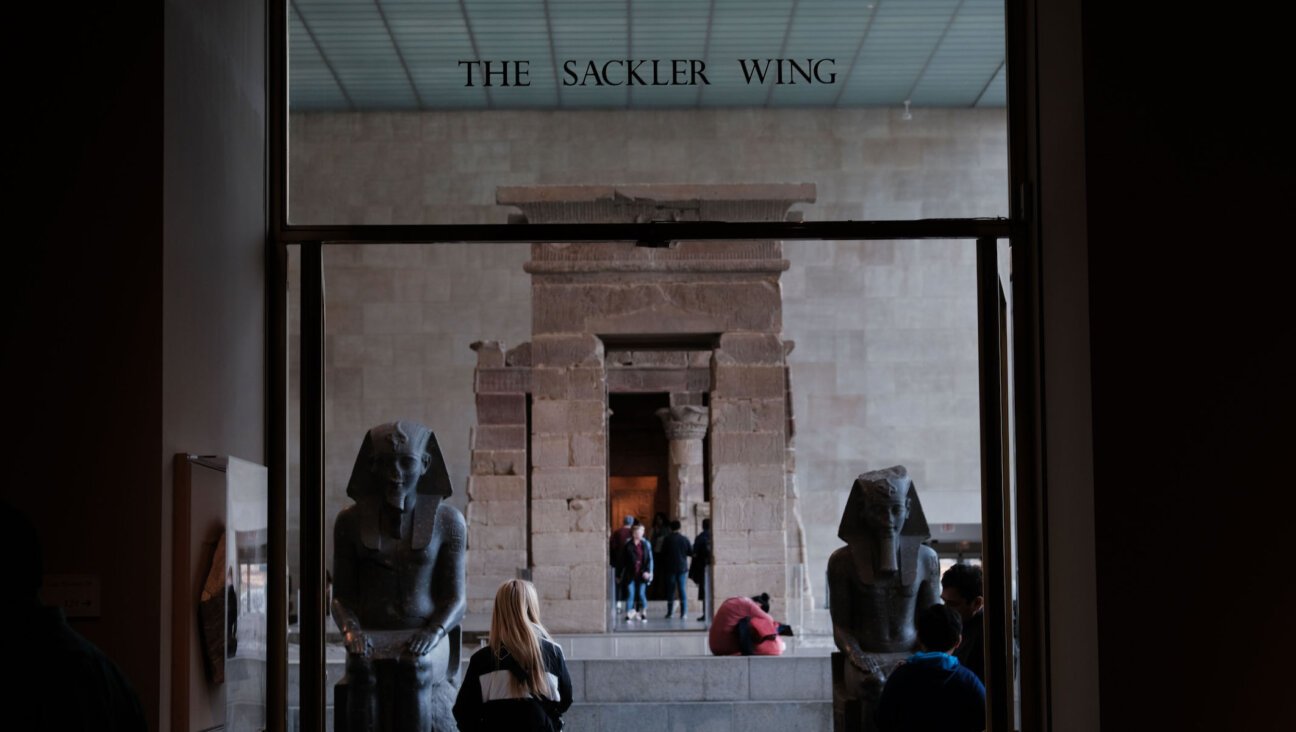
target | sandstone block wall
x=884, y=370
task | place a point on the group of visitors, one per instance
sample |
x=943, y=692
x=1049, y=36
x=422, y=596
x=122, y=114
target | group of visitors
x=520, y=679
x=637, y=559
x=942, y=687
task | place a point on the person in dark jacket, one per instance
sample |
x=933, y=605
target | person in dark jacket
x=701, y=561
x=637, y=572
x=931, y=691
x=673, y=561
x=961, y=590
x=616, y=552
x=61, y=680
x=519, y=681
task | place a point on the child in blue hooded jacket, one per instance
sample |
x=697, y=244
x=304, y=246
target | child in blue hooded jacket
x=931, y=692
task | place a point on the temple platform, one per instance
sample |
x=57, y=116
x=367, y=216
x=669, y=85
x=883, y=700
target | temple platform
x=658, y=675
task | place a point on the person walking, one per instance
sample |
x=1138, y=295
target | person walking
x=701, y=561
x=616, y=553
x=675, y=552
x=519, y=681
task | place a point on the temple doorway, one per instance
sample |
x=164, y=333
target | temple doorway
x=637, y=461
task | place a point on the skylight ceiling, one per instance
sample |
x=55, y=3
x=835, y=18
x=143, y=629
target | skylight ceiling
x=582, y=54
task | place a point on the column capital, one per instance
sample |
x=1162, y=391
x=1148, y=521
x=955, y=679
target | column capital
x=686, y=422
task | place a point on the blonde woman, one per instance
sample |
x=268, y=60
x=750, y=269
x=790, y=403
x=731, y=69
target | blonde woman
x=519, y=680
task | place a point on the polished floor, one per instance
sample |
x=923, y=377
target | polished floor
x=656, y=621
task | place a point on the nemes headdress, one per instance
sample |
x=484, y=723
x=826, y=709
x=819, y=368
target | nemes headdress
x=400, y=438
x=885, y=484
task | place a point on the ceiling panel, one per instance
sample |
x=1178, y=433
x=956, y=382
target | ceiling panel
x=384, y=54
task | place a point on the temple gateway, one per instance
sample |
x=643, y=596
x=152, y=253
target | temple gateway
x=655, y=381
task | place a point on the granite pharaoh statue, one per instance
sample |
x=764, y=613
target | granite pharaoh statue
x=398, y=585
x=878, y=584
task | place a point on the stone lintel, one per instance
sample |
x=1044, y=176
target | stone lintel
x=566, y=350
x=655, y=307
x=739, y=266
x=663, y=193
x=651, y=380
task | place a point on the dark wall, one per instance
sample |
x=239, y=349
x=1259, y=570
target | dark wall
x=133, y=289
x=1189, y=178
x=82, y=353
x=214, y=233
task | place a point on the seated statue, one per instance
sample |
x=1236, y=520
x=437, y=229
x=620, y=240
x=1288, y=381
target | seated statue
x=877, y=585
x=398, y=585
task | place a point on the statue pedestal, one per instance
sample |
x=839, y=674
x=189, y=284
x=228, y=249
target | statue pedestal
x=853, y=699
x=388, y=646
x=848, y=712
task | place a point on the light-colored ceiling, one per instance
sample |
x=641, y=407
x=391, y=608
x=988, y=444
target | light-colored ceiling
x=384, y=54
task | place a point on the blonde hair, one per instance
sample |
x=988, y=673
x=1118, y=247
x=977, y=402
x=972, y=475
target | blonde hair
x=515, y=625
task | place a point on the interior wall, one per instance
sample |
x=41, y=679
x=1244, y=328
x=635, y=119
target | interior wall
x=98, y=394
x=885, y=365
x=82, y=350
x=1190, y=266
x=214, y=226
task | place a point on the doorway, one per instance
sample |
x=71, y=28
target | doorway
x=637, y=459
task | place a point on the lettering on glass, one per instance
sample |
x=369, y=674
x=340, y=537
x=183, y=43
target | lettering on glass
x=653, y=72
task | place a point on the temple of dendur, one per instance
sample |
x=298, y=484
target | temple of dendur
x=655, y=380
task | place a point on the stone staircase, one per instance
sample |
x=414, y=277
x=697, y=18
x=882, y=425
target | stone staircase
x=668, y=681
x=663, y=682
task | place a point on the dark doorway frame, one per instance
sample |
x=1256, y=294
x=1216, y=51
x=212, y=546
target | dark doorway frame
x=1034, y=62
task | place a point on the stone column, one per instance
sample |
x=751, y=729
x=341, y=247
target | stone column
x=569, y=526
x=497, y=485
x=748, y=472
x=686, y=426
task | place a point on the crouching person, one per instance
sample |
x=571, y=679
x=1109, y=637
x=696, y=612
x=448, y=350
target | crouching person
x=743, y=626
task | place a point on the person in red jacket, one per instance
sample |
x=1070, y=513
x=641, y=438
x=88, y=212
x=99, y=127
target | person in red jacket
x=743, y=626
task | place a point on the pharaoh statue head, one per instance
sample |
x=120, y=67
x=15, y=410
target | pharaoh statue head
x=397, y=460
x=883, y=514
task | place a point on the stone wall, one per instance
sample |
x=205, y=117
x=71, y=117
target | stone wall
x=884, y=368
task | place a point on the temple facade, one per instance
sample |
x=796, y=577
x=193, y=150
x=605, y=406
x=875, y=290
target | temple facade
x=655, y=381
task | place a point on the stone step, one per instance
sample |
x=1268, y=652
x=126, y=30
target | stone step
x=709, y=679
x=716, y=694
x=647, y=643
x=784, y=716
x=615, y=688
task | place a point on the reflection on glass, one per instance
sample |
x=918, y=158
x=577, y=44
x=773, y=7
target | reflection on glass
x=247, y=556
